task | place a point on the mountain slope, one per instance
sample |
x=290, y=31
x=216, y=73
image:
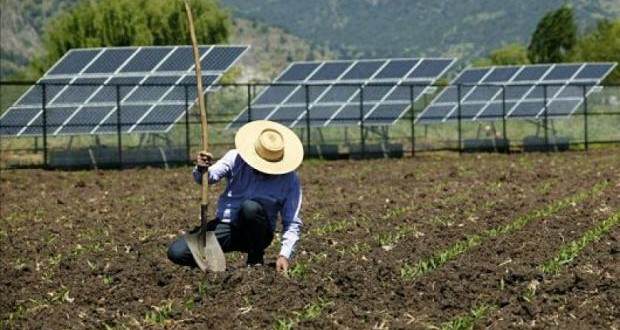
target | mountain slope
x=376, y=28
x=22, y=23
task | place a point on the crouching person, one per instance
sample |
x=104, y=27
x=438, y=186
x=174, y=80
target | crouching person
x=261, y=184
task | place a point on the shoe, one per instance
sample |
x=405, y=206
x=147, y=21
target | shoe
x=255, y=260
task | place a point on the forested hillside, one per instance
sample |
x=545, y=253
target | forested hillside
x=284, y=30
x=23, y=21
x=462, y=28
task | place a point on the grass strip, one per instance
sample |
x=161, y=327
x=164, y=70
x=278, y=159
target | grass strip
x=571, y=250
x=565, y=255
x=310, y=312
x=410, y=272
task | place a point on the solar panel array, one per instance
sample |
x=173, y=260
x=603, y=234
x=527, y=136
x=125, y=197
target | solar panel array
x=152, y=97
x=334, y=91
x=523, y=92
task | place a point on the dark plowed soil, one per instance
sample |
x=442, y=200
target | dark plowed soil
x=584, y=295
x=84, y=249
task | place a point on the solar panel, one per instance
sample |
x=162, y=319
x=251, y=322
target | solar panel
x=82, y=97
x=334, y=95
x=524, y=89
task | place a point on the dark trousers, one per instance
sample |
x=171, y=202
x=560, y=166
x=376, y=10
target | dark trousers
x=250, y=233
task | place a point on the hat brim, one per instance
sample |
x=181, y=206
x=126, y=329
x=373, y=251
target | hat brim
x=293, y=149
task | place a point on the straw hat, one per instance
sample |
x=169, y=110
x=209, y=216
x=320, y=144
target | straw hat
x=269, y=147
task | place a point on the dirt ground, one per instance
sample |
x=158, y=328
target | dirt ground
x=87, y=249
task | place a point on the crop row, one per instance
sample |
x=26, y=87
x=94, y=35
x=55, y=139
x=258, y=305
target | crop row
x=410, y=272
x=565, y=255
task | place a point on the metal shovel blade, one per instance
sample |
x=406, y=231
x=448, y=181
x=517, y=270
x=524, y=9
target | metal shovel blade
x=206, y=250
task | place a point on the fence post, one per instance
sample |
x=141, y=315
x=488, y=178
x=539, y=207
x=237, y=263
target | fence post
x=307, y=88
x=585, y=116
x=187, y=141
x=44, y=114
x=504, y=130
x=249, y=100
x=412, y=106
x=118, y=127
x=458, y=90
x=545, y=119
x=362, y=136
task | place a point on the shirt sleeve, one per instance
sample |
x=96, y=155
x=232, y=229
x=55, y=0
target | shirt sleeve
x=222, y=168
x=291, y=223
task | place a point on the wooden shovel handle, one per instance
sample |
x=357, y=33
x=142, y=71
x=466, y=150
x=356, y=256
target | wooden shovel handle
x=203, y=113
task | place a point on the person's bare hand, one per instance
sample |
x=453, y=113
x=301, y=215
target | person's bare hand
x=282, y=264
x=204, y=160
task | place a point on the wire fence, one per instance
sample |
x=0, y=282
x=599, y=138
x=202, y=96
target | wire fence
x=53, y=126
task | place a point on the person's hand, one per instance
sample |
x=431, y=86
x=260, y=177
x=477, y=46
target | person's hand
x=282, y=264
x=204, y=160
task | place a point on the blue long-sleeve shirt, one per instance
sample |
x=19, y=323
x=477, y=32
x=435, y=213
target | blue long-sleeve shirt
x=279, y=194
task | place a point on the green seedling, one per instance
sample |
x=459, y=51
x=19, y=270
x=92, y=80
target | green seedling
x=160, y=314
x=438, y=259
x=467, y=322
x=571, y=250
x=107, y=279
x=310, y=312
x=299, y=270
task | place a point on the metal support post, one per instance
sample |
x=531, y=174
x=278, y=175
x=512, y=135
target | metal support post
x=44, y=114
x=307, y=89
x=545, y=119
x=412, y=107
x=585, y=117
x=362, y=136
x=118, y=127
x=504, y=129
x=458, y=90
x=249, y=91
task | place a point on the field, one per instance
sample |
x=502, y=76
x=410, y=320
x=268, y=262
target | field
x=438, y=241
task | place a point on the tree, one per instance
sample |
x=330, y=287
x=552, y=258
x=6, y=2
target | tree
x=554, y=37
x=102, y=23
x=600, y=45
x=511, y=54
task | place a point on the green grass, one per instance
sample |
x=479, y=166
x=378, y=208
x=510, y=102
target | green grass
x=410, y=272
x=571, y=250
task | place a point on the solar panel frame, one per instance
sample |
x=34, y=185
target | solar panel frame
x=346, y=80
x=556, y=89
x=446, y=68
x=119, y=73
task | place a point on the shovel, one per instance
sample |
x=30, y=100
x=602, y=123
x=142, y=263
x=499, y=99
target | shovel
x=205, y=248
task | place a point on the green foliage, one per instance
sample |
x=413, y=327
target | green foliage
x=554, y=37
x=103, y=23
x=511, y=54
x=601, y=45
